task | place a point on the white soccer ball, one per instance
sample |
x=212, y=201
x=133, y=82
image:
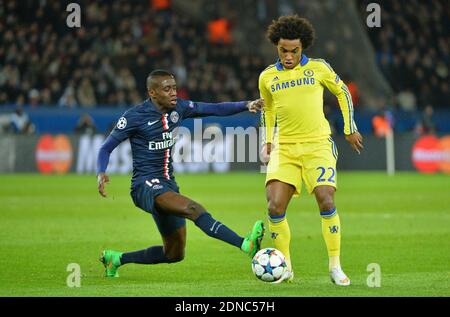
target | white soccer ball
x=269, y=264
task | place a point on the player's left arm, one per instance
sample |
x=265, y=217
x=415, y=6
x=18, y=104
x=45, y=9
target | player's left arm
x=222, y=109
x=337, y=87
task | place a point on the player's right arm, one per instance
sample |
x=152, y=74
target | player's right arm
x=267, y=117
x=125, y=127
x=102, y=162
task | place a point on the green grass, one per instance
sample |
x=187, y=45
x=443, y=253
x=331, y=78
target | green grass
x=46, y=222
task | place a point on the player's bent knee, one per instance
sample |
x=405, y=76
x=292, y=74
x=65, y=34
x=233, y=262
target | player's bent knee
x=276, y=208
x=325, y=203
x=174, y=253
x=194, y=210
x=326, y=206
x=173, y=258
x=324, y=197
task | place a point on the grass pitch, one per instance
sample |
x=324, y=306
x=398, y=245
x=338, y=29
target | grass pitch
x=401, y=223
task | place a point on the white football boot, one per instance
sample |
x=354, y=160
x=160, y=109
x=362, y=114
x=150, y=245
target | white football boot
x=288, y=277
x=338, y=277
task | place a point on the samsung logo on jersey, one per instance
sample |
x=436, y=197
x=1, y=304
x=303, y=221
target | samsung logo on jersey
x=292, y=83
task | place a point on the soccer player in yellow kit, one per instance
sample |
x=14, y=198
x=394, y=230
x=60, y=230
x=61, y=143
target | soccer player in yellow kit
x=303, y=150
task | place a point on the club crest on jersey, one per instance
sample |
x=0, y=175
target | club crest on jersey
x=337, y=79
x=308, y=73
x=122, y=123
x=174, y=117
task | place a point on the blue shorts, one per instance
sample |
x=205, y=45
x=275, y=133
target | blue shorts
x=144, y=196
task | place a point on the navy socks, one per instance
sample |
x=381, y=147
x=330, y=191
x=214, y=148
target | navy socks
x=152, y=255
x=205, y=222
x=216, y=229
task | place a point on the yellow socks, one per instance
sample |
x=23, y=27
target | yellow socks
x=331, y=231
x=281, y=236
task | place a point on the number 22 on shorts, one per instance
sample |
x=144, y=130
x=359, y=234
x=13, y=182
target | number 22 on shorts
x=323, y=170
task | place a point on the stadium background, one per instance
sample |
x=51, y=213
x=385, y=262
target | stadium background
x=62, y=90
x=55, y=79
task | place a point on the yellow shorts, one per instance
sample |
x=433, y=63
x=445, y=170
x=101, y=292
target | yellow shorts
x=314, y=163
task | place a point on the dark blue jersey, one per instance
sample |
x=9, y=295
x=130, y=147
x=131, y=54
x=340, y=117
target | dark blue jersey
x=151, y=135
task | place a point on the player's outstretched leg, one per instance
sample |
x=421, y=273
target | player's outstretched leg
x=111, y=261
x=172, y=251
x=176, y=204
x=331, y=231
x=252, y=242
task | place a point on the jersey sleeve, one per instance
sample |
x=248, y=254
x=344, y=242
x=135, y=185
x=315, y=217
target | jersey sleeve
x=125, y=128
x=267, y=113
x=338, y=88
x=191, y=109
x=104, y=153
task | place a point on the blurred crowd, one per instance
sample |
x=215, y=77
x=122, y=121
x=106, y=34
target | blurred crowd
x=106, y=61
x=413, y=50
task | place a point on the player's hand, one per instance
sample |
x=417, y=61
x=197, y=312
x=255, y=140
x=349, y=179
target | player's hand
x=102, y=179
x=265, y=152
x=255, y=105
x=356, y=141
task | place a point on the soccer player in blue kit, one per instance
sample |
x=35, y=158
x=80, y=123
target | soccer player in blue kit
x=150, y=128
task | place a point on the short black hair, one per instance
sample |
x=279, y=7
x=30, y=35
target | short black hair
x=155, y=74
x=291, y=27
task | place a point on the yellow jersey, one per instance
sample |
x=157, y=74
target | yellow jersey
x=294, y=101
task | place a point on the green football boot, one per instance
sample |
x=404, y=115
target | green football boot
x=252, y=242
x=111, y=261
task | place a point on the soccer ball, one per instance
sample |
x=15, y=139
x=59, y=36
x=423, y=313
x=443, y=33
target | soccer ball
x=269, y=264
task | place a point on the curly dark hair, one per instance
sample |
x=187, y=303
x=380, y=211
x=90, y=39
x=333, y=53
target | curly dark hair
x=291, y=27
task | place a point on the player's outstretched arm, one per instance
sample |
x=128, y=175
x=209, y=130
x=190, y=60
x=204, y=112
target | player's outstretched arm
x=222, y=109
x=255, y=105
x=102, y=163
x=356, y=141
